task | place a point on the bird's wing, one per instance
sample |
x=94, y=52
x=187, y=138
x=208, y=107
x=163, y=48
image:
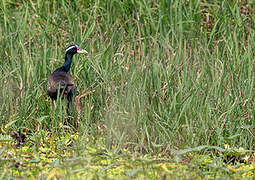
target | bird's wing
x=60, y=80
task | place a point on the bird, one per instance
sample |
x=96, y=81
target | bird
x=60, y=82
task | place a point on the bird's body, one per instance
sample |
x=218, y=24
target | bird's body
x=60, y=82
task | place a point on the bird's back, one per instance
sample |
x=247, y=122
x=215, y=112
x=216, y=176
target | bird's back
x=60, y=81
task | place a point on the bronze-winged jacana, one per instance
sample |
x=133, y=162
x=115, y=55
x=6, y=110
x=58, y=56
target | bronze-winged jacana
x=60, y=81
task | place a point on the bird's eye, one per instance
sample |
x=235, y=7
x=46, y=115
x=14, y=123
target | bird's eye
x=78, y=49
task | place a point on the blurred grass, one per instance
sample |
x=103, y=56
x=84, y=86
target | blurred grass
x=162, y=75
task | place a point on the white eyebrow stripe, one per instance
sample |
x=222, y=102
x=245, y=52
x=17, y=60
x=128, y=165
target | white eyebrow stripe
x=70, y=48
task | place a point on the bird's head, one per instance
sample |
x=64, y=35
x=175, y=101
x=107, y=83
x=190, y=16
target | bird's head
x=73, y=49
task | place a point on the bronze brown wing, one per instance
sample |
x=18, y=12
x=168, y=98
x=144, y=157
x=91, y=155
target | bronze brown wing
x=62, y=82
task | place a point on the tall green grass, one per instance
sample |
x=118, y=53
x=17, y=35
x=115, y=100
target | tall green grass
x=162, y=75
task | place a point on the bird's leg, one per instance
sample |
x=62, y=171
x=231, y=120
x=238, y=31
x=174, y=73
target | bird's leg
x=69, y=109
x=69, y=113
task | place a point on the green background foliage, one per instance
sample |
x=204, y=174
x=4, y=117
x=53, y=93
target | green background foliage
x=160, y=75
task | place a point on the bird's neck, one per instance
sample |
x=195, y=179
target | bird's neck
x=68, y=60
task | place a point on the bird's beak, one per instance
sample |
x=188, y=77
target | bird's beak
x=82, y=51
